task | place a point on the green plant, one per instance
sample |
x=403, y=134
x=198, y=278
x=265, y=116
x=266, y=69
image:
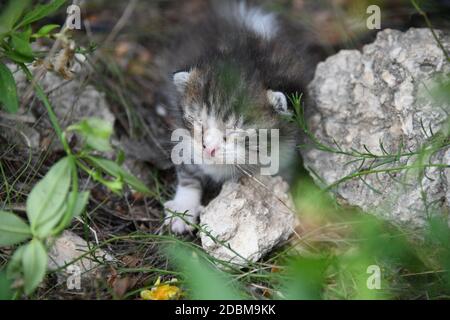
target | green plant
x=205, y=281
x=55, y=200
x=385, y=162
x=16, y=37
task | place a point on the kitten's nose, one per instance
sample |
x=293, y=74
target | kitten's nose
x=211, y=151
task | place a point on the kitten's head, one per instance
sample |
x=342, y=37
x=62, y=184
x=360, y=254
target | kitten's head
x=226, y=104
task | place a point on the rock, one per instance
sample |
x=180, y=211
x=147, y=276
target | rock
x=383, y=94
x=69, y=247
x=72, y=100
x=17, y=132
x=250, y=218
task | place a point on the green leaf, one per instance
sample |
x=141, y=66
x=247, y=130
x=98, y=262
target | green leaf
x=34, y=263
x=113, y=169
x=13, y=230
x=14, y=267
x=20, y=43
x=120, y=158
x=11, y=14
x=45, y=30
x=96, y=133
x=45, y=202
x=17, y=57
x=115, y=186
x=8, y=90
x=81, y=203
x=40, y=12
x=6, y=292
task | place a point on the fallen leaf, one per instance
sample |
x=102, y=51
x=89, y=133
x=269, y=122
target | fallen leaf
x=275, y=269
x=267, y=293
x=122, y=285
x=131, y=261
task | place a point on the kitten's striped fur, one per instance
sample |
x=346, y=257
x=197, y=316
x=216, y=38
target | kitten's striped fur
x=234, y=69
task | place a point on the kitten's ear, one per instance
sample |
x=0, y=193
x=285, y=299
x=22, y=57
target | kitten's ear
x=278, y=101
x=180, y=79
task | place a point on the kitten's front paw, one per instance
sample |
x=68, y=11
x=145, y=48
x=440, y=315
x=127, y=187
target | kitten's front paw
x=177, y=224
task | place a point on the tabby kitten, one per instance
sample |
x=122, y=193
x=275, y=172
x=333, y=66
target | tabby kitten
x=236, y=68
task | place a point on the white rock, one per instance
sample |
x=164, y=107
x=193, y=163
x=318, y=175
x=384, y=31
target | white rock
x=72, y=101
x=252, y=219
x=394, y=101
x=69, y=247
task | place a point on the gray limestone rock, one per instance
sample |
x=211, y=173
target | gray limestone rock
x=249, y=217
x=384, y=98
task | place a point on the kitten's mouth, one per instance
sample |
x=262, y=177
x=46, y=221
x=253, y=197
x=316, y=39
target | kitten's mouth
x=212, y=159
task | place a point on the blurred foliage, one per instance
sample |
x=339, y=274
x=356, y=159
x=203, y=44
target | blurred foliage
x=205, y=280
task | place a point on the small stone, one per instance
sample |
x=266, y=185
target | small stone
x=388, y=78
x=249, y=217
x=69, y=247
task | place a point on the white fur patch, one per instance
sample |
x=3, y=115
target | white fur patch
x=255, y=19
x=189, y=197
x=186, y=199
x=180, y=80
x=278, y=101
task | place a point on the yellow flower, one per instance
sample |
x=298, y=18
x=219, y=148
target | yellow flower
x=161, y=292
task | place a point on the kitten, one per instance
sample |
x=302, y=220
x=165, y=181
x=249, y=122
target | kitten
x=235, y=69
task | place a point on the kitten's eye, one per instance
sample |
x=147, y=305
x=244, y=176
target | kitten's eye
x=224, y=139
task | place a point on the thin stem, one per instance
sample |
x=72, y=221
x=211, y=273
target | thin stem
x=44, y=99
x=387, y=170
